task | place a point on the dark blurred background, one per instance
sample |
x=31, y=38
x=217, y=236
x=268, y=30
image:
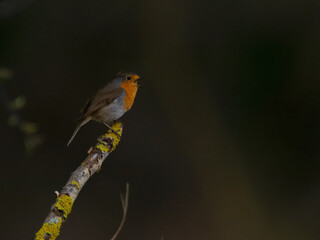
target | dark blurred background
x=222, y=141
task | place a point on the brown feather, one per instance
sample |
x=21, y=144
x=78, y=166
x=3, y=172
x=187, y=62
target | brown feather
x=104, y=97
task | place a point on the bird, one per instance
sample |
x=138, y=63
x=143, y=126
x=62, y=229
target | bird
x=111, y=102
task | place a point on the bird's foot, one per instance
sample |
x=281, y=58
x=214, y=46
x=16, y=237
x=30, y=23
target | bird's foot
x=115, y=132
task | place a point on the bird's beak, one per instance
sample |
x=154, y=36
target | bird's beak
x=139, y=80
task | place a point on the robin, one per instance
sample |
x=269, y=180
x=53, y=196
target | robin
x=110, y=102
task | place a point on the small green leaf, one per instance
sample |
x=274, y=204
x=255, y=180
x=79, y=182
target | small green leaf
x=32, y=142
x=29, y=127
x=17, y=103
x=5, y=74
x=13, y=120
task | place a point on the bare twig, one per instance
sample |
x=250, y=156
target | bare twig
x=62, y=207
x=125, y=203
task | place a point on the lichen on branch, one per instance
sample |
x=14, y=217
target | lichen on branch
x=62, y=207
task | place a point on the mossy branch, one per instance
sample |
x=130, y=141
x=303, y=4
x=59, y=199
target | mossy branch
x=62, y=207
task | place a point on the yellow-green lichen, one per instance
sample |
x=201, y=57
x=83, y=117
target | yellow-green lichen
x=64, y=204
x=76, y=183
x=49, y=230
x=104, y=146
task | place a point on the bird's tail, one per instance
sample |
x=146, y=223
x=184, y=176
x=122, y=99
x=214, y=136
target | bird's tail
x=80, y=124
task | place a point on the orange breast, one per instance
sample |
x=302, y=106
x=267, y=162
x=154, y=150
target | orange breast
x=131, y=90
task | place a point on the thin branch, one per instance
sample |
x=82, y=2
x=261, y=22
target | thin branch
x=62, y=207
x=125, y=204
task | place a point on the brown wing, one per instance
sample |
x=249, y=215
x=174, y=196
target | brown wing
x=104, y=97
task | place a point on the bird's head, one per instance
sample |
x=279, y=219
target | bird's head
x=129, y=78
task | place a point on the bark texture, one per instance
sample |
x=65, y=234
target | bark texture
x=62, y=207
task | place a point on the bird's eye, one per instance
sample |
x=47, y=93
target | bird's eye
x=128, y=78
